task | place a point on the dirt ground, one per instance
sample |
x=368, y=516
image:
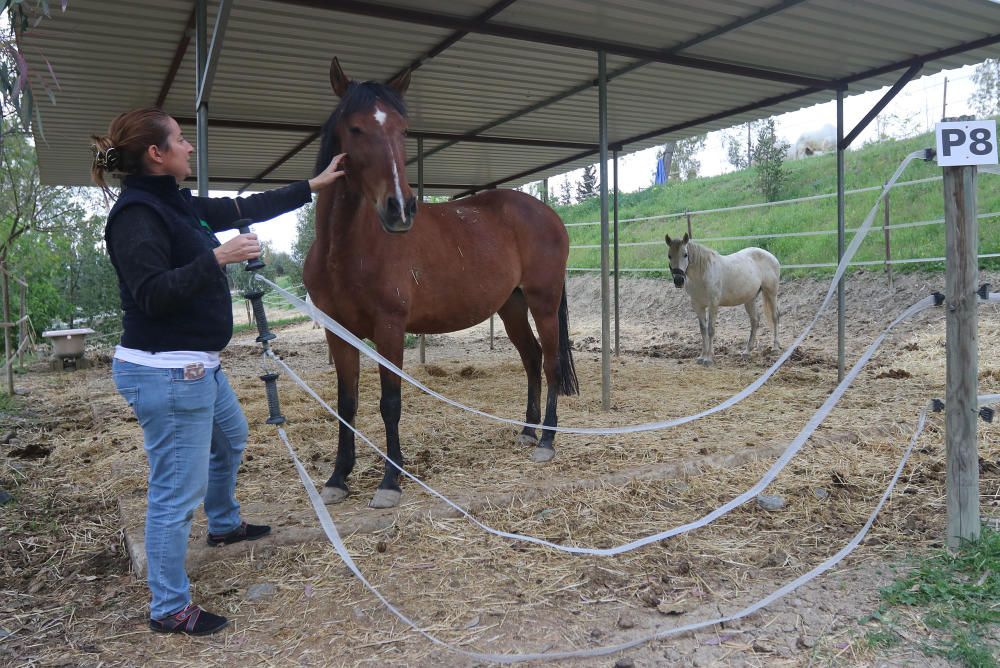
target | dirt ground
x=74, y=464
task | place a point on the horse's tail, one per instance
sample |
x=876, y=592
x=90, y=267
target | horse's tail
x=568, y=383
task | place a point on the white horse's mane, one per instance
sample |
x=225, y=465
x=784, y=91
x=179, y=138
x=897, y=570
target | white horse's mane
x=699, y=256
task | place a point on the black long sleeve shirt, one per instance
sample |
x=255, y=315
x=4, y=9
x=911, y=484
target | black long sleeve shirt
x=160, y=239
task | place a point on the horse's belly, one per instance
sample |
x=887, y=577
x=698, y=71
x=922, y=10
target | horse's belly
x=460, y=304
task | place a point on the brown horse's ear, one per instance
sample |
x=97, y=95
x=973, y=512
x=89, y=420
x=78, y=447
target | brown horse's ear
x=401, y=82
x=667, y=237
x=338, y=79
x=686, y=237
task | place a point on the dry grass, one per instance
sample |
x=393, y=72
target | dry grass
x=68, y=598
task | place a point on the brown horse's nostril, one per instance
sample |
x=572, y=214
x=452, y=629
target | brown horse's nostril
x=411, y=207
x=392, y=207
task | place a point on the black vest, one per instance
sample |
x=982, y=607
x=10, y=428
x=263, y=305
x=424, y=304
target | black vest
x=205, y=323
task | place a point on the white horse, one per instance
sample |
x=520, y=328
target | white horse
x=713, y=280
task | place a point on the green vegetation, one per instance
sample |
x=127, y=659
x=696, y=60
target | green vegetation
x=957, y=597
x=869, y=166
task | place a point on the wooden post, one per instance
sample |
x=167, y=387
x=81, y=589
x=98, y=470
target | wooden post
x=6, y=331
x=885, y=233
x=961, y=409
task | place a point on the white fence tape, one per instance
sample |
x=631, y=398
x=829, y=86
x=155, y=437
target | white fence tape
x=332, y=534
x=350, y=338
x=330, y=529
x=772, y=473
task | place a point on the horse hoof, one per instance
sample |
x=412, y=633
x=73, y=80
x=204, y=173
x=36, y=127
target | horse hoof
x=332, y=495
x=704, y=361
x=385, y=498
x=540, y=455
x=527, y=440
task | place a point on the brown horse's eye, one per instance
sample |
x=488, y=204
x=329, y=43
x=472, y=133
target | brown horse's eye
x=355, y=130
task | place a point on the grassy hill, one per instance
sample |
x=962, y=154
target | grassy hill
x=868, y=166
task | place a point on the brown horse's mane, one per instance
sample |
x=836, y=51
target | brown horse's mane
x=360, y=97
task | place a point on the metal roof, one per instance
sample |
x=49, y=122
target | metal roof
x=484, y=69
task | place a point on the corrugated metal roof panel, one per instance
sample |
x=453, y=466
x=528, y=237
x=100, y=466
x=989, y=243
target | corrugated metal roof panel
x=275, y=62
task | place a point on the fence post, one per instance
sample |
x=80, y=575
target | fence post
x=690, y=234
x=22, y=331
x=885, y=231
x=6, y=331
x=961, y=377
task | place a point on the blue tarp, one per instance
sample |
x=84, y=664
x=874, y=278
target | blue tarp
x=661, y=174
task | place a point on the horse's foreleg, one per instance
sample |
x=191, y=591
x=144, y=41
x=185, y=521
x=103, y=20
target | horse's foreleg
x=389, y=341
x=703, y=328
x=514, y=314
x=345, y=359
x=754, y=313
x=708, y=356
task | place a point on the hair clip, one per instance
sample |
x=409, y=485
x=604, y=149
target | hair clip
x=108, y=159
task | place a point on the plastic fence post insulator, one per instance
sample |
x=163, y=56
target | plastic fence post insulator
x=986, y=413
x=984, y=291
x=938, y=298
x=244, y=227
x=937, y=405
x=273, y=405
x=261, y=318
x=929, y=154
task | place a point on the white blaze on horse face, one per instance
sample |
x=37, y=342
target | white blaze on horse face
x=395, y=176
x=380, y=117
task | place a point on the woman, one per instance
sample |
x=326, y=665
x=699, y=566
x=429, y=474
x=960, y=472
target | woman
x=177, y=318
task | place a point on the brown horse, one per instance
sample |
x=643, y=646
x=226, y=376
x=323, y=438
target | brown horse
x=382, y=266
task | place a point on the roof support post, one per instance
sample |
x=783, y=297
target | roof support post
x=840, y=233
x=614, y=160
x=420, y=203
x=602, y=113
x=201, y=62
x=213, y=53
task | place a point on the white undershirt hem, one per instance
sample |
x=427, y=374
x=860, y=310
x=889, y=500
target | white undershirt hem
x=169, y=359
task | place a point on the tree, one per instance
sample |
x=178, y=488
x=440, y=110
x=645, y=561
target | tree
x=565, y=193
x=18, y=82
x=587, y=187
x=769, y=160
x=985, y=99
x=305, y=235
x=684, y=164
x=740, y=154
x=25, y=204
x=890, y=126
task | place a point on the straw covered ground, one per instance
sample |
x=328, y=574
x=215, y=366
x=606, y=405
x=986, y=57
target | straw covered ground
x=74, y=464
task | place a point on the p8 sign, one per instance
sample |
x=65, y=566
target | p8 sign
x=966, y=143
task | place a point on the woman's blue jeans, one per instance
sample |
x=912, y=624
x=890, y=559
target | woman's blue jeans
x=195, y=433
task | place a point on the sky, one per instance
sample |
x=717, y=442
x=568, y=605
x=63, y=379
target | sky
x=919, y=106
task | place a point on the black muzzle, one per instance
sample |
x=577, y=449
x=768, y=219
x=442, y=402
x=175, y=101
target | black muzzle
x=679, y=277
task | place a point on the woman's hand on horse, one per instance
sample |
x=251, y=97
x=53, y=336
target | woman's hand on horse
x=328, y=175
x=237, y=249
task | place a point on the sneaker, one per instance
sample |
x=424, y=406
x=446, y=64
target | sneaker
x=192, y=621
x=243, y=532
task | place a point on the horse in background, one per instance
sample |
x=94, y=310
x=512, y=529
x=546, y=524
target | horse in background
x=383, y=264
x=713, y=280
